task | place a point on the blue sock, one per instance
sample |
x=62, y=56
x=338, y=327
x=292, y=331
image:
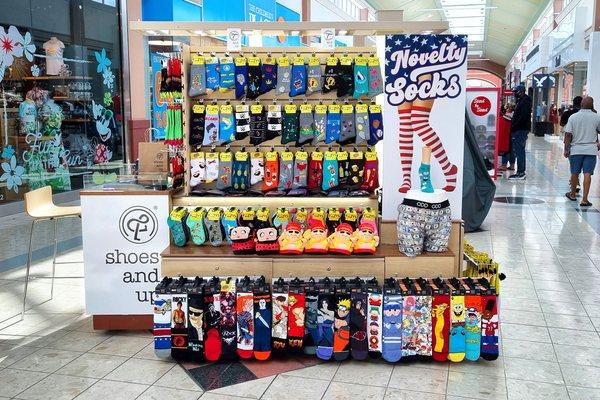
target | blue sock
x=425, y=176
x=325, y=319
x=361, y=81
x=269, y=76
x=375, y=125
x=241, y=81
x=227, y=70
x=330, y=173
x=392, y=327
x=298, y=84
x=212, y=74
x=226, y=126
x=333, y=127
x=228, y=225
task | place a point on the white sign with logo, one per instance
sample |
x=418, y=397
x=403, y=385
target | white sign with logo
x=234, y=39
x=123, y=236
x=328, y=38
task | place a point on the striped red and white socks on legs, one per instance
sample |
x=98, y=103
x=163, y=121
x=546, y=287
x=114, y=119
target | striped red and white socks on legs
x=405, y=139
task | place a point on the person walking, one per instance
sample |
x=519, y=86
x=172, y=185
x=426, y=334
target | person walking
x=509, y=157
x=519, y=129
x=564, y=118
x=581, y=146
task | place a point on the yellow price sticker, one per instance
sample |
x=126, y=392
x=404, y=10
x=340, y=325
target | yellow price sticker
x=346, y=60
x=370, y=156
x=342, y=155
x=298, y=60
x=212, y=156
x=271, y=156
x=248, y=214
x=301, y=214
x=334, y=108
x=198, y=214
x=350, y=214
x=318, y=214
x=290, y=108
x=316, y=155
x=330, y=155
x=240, y=61
x=241, y=156
x=263, y=214
x=331, y=61
x=375, y=108
x=287, y=156
x=197, y=59
x=214, y=214
x=211, y=60
x=269, y=60
x=306, y=108
x=231, y=214
x=321, y=109
x=253, y=61
x=226, y=60
x=347, y=109
x=356, y=155
x=283, y=214
x=274, y=108
x=301, y=155
x=225, y=156
x=373, y=61
x=242, y=108
x=283, y=61
x=333, y=214
x=226, y=109
x=314, y=61
x=369, y=214
x=256, y=155
x=197, y=155
x=199, y=109
x=360, y=60
x=212, y=109
x=256, y=108
x=362, y=108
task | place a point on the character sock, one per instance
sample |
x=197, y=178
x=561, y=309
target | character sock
x=348, y=128
x=361, y=121
x=196, y=321
x=330, y=170
x=375, y=80
x=300, y=170
x=334, y=124
x=325, y=319
x=405, y=139
x=245, y=324
x=195, y=223
x=306, y=121
x=274, y=127
x=315, y=75
x=315, y=171
x=291, y=122
x=298, y=84
x=296, y=317
x=227, y=70
x=225, y=170
x=229, y=221
x=241, y=77
x=258, y=124
x=176, y=223
x=241, y=171
x=212, y=222
x=286, y=170
x=392, y=327
x=472, y=327
x=371, y=172
x=212, y=320
x=361, y=77
x=358, y=326
x=356, y=170
x=179, y=320
x=441, y=326
x=311, y=337
x=242, y=121
x=257, y=164
x=423, y=329
x=343, y=169
x=197, y=169
x=212, y=74
x=280, y=321
x=269, y=75
x=409, y=326
x=271, y=173
x=375, y=124
x=330, y=77
x=425, y=176
x=212, y=166
x=341, y=334
x=489, y=327
x=211, y=125
x=228, y=324
x=456, y=350
x=197, y=123
x=197, y=77
x=254, y=78
x=284, y=76
x=345, y=77
x=262, y=325
x=162, y=319
x=320, y=123
x=226, y=124
x=281, y=219
x=375, y=322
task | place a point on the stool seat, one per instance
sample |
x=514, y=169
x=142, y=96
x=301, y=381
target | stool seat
x=53, y=211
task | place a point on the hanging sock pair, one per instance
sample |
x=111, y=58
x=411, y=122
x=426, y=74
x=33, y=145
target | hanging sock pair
x=290, y=123
x=345, y=84
x=211, y=125
x=330, y=77
x=286, y=171
x=375, y=79
x=226, y=124
x=306, y=121
x=213, y=78
x=242, y=121
x=254, y=77
x=197, y=122
x=258, y=124
x=197, y=77
x=271, y=172
x=284, y=76
x=274, y=127
x=315, y=171
x=361, y=121
x=197, y=169
x=320, y=124
x=298, y=82
x=333, y=126
x=330, y=171
x=225, y=170
x=240, y=171
x=370, y=172
x=241, y=77
x=348, y=127
x=361, y=79
x=268, y=75
x=375, y=124
x=314, y=75
x=227, y=74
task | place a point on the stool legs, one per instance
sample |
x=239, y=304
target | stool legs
x=54, y=259
x=28, y=268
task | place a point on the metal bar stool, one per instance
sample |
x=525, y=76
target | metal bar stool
x=39, y=206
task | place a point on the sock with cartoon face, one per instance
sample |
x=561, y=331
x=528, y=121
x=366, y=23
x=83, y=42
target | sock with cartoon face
x=330, y=171
x=241, y=78
x=325, y=322
x=279, y=325
x=212, y=74
x=298, y=84
x=358, y=326
x=262, y=325
x=489, y=327
x=271, y=173
x=225, y=170
x=375, y=124
x=392, y=328
x=242, y=121
x=195, y=223
x=341, y=333
x=315, y=77
x=257, y=163
x=245, y=324
x=291, y=124
x=441, y=327
x=375, y=324
x=296, y=318
x=197, y=80
x=473, y=327
x=457, y=345
x=227, y=71
x=361, y=121
x=274, y=127
x=269, y=76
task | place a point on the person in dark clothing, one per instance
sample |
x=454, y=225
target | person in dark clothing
x=520, y=126
x=576, y=107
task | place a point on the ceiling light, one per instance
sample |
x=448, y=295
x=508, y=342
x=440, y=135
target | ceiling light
x=342, y=32
x=201, y=33
x=165, y=31
x=295, y=33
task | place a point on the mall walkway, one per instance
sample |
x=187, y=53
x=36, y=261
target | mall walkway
x=550, y=316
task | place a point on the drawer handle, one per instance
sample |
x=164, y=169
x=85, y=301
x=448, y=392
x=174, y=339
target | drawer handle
x=328, y=268
x=217, y=268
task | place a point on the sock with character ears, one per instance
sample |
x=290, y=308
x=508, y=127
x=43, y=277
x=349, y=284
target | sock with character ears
x=311, y=336
x=472, y=327
x=242, y=122
x=279, y=325
x=227, y=71
x=420, y=125
x=241, y=78
x=441, y=326
x=358, y=326
x=213, y=80
x=325, y=320
x=269, y=76
x=406, y=148
x=298, y=84
x=197, y=80
x=245, y=324
x=262, y=325
x=489, y=327
x=296, y=318
x=392, y=328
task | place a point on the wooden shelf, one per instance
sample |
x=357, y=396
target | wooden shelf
x=57, y=78
x=274, y=202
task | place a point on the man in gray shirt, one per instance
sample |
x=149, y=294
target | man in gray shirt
x=581, y=147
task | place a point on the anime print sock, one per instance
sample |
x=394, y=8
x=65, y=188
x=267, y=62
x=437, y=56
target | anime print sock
x=215, y=230
x=375, y=124
x=227, y=70
x=341, y=333
x=162, y=325
x=457, y=345
x=254, y=81
x=315, y=77
x=240, y=172
x=197, y=122
x=392, y=328
x=330, y=76
x=245, y=324
x=176, y=223
x=371, y=172
x=345, y=80
x=229, y=221
x=279, y=325
x=258, y=125
x=262, y=325
x=330, y=171
x=241, y=78
x=284, y=79
x=441, y=327
x=405, y=140
x=355, y=170
x=375, y=324
x=212, y=166
x=300, y=170
x=325, y=320
x=228, y=326
x=212, y=320
x=348, y=128
x=358, y=326
x=242, y=121
x=320, y=124
x=257, y=163
x=197, y=169
x=420, y=125
x=375, y=79
x=361, y=120
x=211, y=128
x=197, y=79
x=195, y=223
x=361, y=78
x=212, y=74
x=306, y=132
x=333, y=127
x=489, y=327
x=311, y=337
x=472, y=327
x=291, y=122
x=226, y=124
x=409, y=323
x=273, y=121
x=425, y=177
x=296, y=318
x=286, y=171
x=315, y=171
x=269, y=75
x=225, y=170
x=271, y=172
x=298, y=83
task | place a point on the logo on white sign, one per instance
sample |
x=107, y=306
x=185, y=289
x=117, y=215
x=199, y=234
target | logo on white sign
x=328, y=38
x=138, y=225
x=234, y=39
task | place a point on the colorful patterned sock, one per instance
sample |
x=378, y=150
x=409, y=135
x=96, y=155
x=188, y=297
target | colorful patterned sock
x=241, y=171
x=274, y=127
x=361, y=78
x=179, y=321
x=262, y=324
x=296, y=317
x=375, y=80
x=489, y=327
x=315, y=171
x=212, y=222
x=441, y=326
x=345, y=78
x=375, y=324
x=371, y=172
x=355, y=170
x=197, y=169
x=241, y=77
x=473, y=327
x=176, y=223
x=271, y=174
x=281, y=219
x=245, y=324
x=298, y=84
x=197, y=77
x=425, y=177
x=162, y=319
x=325, y=319
x=227, y=70
x=286, y=170
x=228, y=326
x=197, y=123
x=392, y=327
x=258, y=124
x=409, y=325
x=361, y=119
x=225, y=170
x=257, y=165
x=456, y=351
x=315, y=75
x=423, y=329
x=343, y=169
x=306, y=121
x=211, y=125
x=291, y=122
x=330, y=170
x=320, y=123
x=254, y=78
x=269, y=75
x=334, y=124
x=358, y=326
x=300, y=170
x=242, y=121
x=375, y=124
x=284, y=76
x=212, y=167
x=229, y=221
x=330, y=77
x=212, y=320
x=212, y=74
x=311, y=336
x=226, y=124
x=348, y=128
x=196, y=320
x=341, y=333
x=195, y=223
x=280, y=320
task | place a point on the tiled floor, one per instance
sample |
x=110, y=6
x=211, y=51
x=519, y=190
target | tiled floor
x=549, y=310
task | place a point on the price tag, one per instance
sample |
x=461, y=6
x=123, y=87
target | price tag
x=226, y=156
x=212, y=109
x=346, y=60
x=240, y=61
x=234, y=39
x=301, y=155
x=197, y=155
x=334, y=108
x=197, y=59
x=313, y=61
x=271, y=156
x=241, y=156
x=360, y=60
x=370, y=156
x=211, y=60
x=226, y=109
x=287, y=156
x=248, y=214
x=283, y=214
x=347, y=109
x=298, y=60
x=356, y=155
x=283, y=61
x=198, y=214
x=362, y=108
x=274, y=108
x=263, y=214
x=253, y=61
x=306, y=108
x=318, y=213
x=334, y=214
x=301, y=214
x=373, y=61
x=369, y=214
x=290, y=108
x=269, y=61
x=199, y=109
x=350, y=214
x=256, y=108
x=214, y=214
x=231, y=214
x=375, y=108
x=316, y=155
x=256, y=155
x=342, y=155
x=330, y=155
x=320, y=109
x=332, y=61
x=212, y=157
x=226, y=60
x=241, y=108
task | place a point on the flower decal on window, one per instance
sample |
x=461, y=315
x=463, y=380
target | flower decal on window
x=7, y=152
x=35, y=70
x=28, y=47
x=109, y=78
x=13, y=45
x=107, y=99
x=104, y=62
x=12, y=174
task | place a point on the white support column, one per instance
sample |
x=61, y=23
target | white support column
x=593, y=78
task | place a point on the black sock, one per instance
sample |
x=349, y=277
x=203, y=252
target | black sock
x=254, y=80
x=197, y=125
x=346, y=80
x=258, y=124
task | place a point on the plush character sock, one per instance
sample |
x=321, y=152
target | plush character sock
x=472, y=327
x=331, y=75
x=197, y=77
x=345, y=78
x=271, y=173
x=179, y=321
x=361, y=78
x=489, y=327
x=212, y=222
x=341, y=334
x=300, y=170
x=311, y=337
x=320, y=123
x=441, y=326
x=296, y=317
x=212, y=74
x=229, y=221
x=330, y=171
x=196, y=320
x=274, y=126
x=281, y=219
x=315, y=171
x=392, y=327
x=226, y=124
x=348, y=128
x=298, y=84
x=245, y=324
x=242, y=121
x=254, y=78
x=286, y=170
x=375, y=124
x=177, y=226
x=241, y=171
x=269, y=75
x=291, y=124
x=197, y=169
x=375, y=80
x=241, y=77
x=225, y=170
x=420, y=124
x=162, y=319
x=211, y=126
x=334, y=124
x=425, y=176
x=306, y=121
x=361, y=121
x=280, y=321
x=195, y=223
x=227, y=70
x=228, y=324
x=284, y=76
x=358, y=326
x=315, y=75
x=262, y=325
x=343, y=169
x=375, y=324
x=371, y=172
x=456, y=350
x=257, y=165
x=197, y=124
x=325, y=319
x=212, y=320
x=212, y=167
x=258, y=124
x=356, y=170
x=405, y=139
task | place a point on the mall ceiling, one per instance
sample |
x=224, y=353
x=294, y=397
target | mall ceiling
x=496, y=27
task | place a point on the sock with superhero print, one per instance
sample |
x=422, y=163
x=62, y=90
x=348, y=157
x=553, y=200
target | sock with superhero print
x=195, y=223
x=347, y=125
x=284, y=76
x=489, y=327
x=375, y=124
x=358, y=325
x=242, y=121
x=271, y=171
x=245, y=320
x=330, y=77
x=330, y=170
x=361, y=77
x=262, y=321
x=334, y=124
x=315, y=75
x=361, y=122
x=228, y=324
x=197, y=77
x=279, y=325
x=241, y=77
x=212, y=74
x=225, y=170
x=241, y=171
x=296, y=317
x=371, y=172
x=229, y=221
x=162, y=319
x=179, y=320
x=197, y=123
x=315, y=171
x=254, y=78
x=325, y=320
x=212, y=320
x=269, y=75
x=375, y=79
x=298, y=84
x=274, y=127
x=306, y=121
x=227, y=71
x=291, y=124
x=300, y=170
x=226, y=124
x=286, y=170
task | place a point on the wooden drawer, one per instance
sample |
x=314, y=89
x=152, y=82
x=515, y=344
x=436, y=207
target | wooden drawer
x=426, y=266
x=209, y=266
x=329, y=266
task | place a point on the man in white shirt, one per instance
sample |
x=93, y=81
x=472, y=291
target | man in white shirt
x=581, y=147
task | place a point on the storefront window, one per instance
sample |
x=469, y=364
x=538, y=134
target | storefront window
x=60, y=80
